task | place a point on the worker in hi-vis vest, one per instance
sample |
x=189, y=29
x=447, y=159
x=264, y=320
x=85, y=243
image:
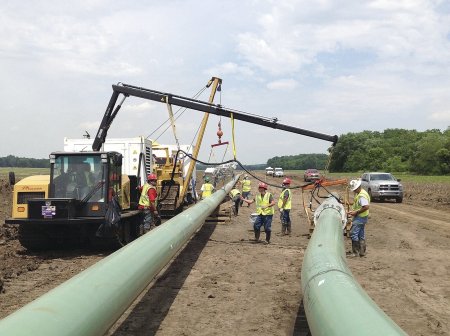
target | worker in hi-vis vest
x=264, y=209
x=246, y=188
x=235, y=195
x=207, y=188
x=148, y=203
x=285, y=205
x=360, y=214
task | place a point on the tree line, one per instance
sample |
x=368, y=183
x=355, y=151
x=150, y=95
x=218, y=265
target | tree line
x=299, y=162
x=393, y=150
x=14, y=161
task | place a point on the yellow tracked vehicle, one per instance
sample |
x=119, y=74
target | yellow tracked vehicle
x=69, y=207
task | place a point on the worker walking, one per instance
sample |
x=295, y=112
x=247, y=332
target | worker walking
x=285, y=205
x=207, y=188
x=148, y=203
x=235, y=195
x=360, y=214
x=246, y=188
x=264, y=209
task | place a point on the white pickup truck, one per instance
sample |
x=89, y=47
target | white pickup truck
x=278, y=172
x=269, y=171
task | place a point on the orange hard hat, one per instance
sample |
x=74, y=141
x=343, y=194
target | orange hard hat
x=262, y=185
x=151, y=177
x=287, y=180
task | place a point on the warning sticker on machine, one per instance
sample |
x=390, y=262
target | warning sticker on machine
x=48, y=211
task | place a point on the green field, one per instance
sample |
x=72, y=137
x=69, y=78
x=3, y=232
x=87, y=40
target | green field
x=22, y=172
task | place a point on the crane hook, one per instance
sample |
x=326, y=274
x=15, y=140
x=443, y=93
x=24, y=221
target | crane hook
x=220, y=133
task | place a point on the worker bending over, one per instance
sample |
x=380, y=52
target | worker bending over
x=235, y=195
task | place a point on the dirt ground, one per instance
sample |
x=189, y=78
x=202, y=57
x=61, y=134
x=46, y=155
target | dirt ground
x=222, y=283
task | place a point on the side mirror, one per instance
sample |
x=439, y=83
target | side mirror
x=12, y=178
x=398, y=180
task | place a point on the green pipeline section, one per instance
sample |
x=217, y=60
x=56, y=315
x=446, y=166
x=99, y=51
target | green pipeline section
x=90, y=302
x=335, y=304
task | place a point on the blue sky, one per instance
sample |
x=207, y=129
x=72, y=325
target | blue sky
x=328, y=66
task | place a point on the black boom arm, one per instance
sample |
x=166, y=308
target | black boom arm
x=130, y=90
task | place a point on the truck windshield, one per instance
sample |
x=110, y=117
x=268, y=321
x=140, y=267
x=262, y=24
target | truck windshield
x=382, y=177
x=75, y=176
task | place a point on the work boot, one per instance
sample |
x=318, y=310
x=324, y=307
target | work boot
x=233, y=209
x=362, y=244
x=257, y=234
x=355, y=249
x=268, y=236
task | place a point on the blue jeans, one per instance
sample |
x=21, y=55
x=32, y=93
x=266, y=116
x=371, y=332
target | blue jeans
x=358, y=230
x=245, y=195
x=263, y=220
x=148, y=219
x=285, y=219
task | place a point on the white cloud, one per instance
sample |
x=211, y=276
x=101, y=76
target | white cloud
x=283, y=84
x=352, y=66
x=229, y=68
x=443, y=116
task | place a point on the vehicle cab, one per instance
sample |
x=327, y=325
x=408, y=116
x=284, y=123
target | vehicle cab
x=84, y=180
x=269, y=171
x=380, y=185
x=278, y=172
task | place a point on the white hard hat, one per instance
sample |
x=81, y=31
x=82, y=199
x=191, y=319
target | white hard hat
x=354, y=184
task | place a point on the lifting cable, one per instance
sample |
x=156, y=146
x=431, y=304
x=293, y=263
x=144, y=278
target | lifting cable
x=172, y=121
x=233, y=143
x=243, y=168
x=177, y=112
x=321, y=184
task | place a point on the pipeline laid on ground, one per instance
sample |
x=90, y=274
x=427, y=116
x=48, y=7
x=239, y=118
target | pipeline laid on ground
x=90, y=302
x=335, y=304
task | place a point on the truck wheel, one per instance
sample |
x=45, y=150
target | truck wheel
x=399, y=200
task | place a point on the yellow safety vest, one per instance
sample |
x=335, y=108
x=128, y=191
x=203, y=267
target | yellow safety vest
x=234, y=192
x=264, y=201
x=207, y=190
x=246, y=185
x=288, y=204
x=356, y=206
x=143, y=200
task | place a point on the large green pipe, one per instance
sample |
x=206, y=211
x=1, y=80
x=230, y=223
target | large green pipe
x=90, y=302
x=335, y=304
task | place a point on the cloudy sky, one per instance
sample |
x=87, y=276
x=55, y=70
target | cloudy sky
x=328, y=66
